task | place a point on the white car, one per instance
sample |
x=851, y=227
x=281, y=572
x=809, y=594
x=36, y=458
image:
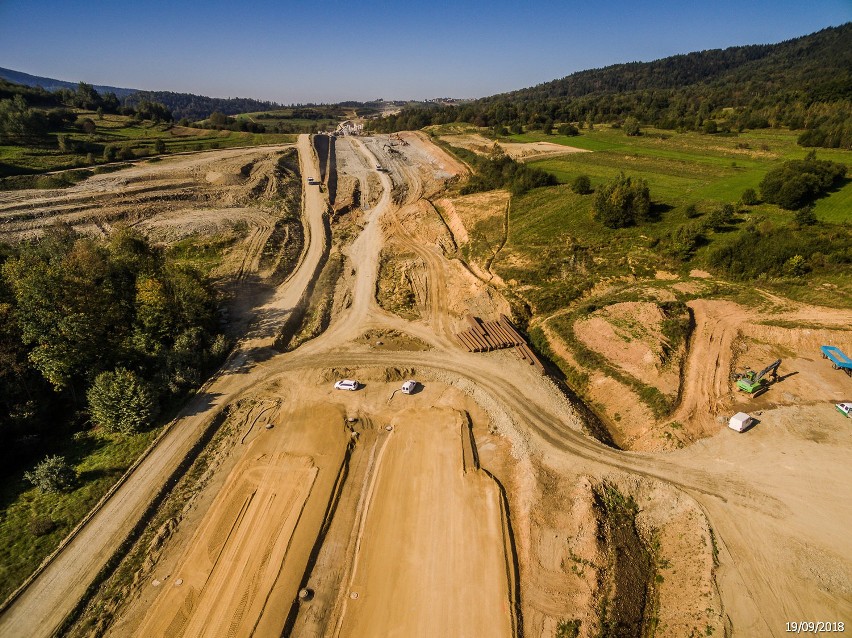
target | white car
x=409, y=386
x=347, y=384
x=845, y=409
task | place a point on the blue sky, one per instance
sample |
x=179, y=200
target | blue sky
x=331, y=51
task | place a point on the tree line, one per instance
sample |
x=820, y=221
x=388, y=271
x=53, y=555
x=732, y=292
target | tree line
x=97, y=333
x=804, y=83
x=27, y=115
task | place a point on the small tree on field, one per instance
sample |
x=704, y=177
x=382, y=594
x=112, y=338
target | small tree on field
x=53, y=474
x=569, y=130
x=805, y=216
x=749, y=197
x=121, y=402
x=631, y=126
x=623, y=202
x=720, y=217
x=88, y=126
x=692, y=211
x=581, y=185
x=109, y=153
x=159, y=146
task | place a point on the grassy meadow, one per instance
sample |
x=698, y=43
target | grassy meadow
x=23, y=166
x=557, y=251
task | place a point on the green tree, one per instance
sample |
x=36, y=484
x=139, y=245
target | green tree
x=799, y=182
x=109, y=153
x=121, y=402
x=720, y=217
x=749, y=197
x=796, y=266
x=622, y=202
x=19, y=122
x=52, y=474
x=581, y=185
x=88, y=126
x=805, y=216
x=631, y=126
x=68, y=306
x=569, y=130
x=684, y=241
x=159, y=146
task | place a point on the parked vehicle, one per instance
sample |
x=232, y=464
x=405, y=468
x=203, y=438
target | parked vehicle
x=740, y=422
x=347, y=384
x=409, y=386
x=845, y=409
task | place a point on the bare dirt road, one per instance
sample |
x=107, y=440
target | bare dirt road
x=47, y=600
x=416, y=538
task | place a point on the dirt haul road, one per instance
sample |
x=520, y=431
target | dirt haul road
x=47, y=600
x=796, y=509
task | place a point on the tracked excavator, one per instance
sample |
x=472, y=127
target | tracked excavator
x=751, y=381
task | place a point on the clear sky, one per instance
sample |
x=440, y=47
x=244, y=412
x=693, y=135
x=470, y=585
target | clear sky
x=330, y=51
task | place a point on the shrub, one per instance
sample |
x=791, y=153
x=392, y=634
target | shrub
x=42, y=525
x=121, y=402
x=799, y=182
x=795, y=266
x=623, y=202
x=569, y=130
x=721, y=217
x=805, y=216
x=53, y=474
x=581, y=185
x=631, y=127
x=126, y=153
x=692, y=211
x=749, y=197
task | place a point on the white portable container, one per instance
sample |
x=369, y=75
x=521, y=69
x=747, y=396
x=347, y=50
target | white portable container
x=409, y=386
x=740, y=421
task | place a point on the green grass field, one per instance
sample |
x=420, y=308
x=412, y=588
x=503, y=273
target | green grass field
x=120, y=132
x=556, y=251
x=686, y=168
x=34, y=523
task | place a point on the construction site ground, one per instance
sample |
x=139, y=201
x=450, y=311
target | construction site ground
x=479, y=505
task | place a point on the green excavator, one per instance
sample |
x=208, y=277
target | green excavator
x=751, y=381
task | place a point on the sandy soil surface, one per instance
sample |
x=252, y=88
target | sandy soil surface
x=431, y=557
x=775, y=497
x=247, y=557
x=196, y=191
x=521, y=151
x=630, y=336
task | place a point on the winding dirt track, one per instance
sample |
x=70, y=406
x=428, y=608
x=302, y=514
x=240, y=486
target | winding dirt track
x=757, y=511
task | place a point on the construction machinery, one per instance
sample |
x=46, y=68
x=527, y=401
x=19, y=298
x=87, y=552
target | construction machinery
x=751, y=381
x=838, y=358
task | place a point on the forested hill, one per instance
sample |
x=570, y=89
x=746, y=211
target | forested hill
x=51, y=84
x=800, y=83
x=814, y=67
x=199, y=107
x=181, y=105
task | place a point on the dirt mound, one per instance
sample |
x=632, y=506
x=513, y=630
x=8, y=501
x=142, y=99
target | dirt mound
x=516, y=150
x=537, y=150
x=630, y=336
x=422, y=222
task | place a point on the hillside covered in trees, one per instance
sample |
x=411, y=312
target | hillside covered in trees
x=805, y=83
x=181, y=105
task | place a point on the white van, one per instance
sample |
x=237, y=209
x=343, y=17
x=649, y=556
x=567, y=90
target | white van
x=740, y=422
x=409, y=386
